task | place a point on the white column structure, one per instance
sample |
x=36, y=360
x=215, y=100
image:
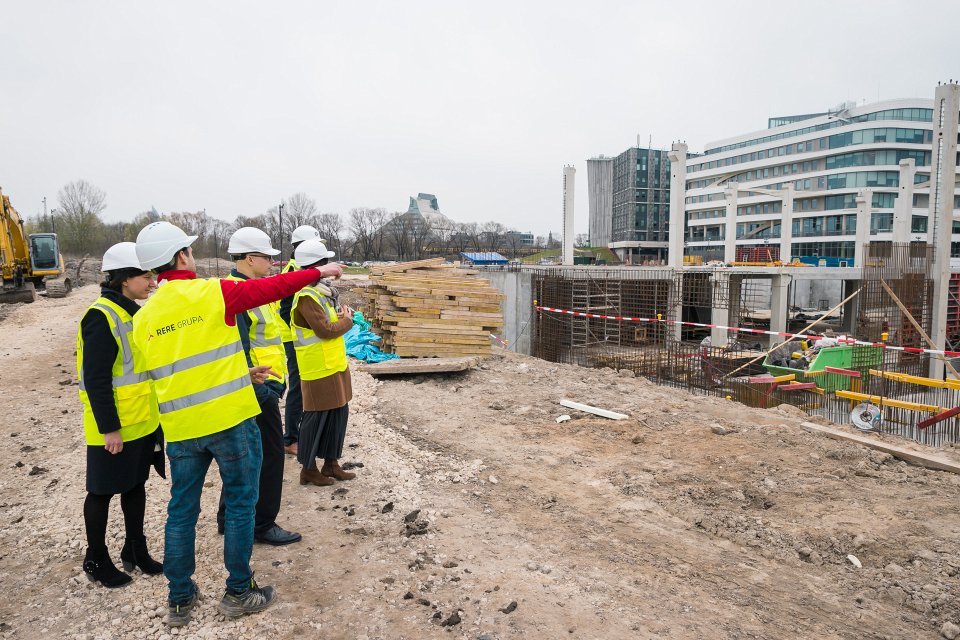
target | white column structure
x=943, y=177
x=678, y=203
x=569, y=180
x=779, y=300
x=786, y=225
x=903, y=207
x=864, y=203
x=730, y=231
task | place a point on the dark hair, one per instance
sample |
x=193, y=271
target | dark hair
x=117, y=277
x=319, y=263
x=172, y=264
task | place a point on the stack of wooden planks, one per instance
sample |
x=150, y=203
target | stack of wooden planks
x=428, y=309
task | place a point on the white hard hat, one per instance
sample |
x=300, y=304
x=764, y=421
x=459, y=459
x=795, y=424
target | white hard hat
x=250, y=240
x=122, y=255
x=311, y=252
x=158, y=242
x=305, y=232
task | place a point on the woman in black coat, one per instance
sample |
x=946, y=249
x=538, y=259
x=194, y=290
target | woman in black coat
x=120, y=418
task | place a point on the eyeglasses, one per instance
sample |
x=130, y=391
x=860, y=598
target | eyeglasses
x=260, y=255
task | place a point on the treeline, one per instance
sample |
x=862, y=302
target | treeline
x=359, y=235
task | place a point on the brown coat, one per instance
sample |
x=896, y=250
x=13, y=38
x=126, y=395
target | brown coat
x=333, y=391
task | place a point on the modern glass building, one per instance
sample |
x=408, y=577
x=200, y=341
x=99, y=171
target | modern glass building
x=827, y=159
x=640, y=205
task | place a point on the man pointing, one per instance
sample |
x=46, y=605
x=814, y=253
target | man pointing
x=192, y=349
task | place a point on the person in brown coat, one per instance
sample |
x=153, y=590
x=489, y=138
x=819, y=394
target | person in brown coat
x=318, y=323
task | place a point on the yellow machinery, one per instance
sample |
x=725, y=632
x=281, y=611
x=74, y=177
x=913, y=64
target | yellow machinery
x=28, y=262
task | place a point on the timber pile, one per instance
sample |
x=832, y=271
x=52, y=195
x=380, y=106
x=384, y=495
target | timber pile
x=426, y=309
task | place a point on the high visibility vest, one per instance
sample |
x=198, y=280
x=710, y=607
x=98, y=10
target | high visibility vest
x=286, y=335
x=195, y=359
x=132, y=390
x=316, y=357
x=266, y=345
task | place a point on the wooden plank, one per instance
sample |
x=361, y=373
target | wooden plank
x=940, y=417
x=420, y=365
x=403, y=266
x=613, y=415
x=770, y=379
x=887, y=402
x=842, y=372
x=797, y=386
x=928, y=460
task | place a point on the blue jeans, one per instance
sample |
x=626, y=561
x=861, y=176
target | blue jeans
x=238, y=453
x=293, y=412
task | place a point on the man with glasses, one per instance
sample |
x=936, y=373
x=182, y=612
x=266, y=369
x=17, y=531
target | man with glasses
x=252, y=253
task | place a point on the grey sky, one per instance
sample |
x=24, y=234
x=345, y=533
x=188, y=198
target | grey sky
x=232, y=106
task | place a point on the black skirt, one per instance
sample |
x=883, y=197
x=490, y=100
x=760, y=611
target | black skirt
x=322, y=434
x=109, y=474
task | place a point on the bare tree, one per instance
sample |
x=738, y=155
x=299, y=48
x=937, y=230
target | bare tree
x=377, y=217
x=442, y=237
x=581, y=241
x=398, y=230
x=463, y=236
x=421, y=234
x=78, y=218
x=330, y=226
x=491, y=234
x=359, y=225
x=298, y=209
x=514, y=243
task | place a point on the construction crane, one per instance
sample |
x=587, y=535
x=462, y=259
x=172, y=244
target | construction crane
x=28, y=262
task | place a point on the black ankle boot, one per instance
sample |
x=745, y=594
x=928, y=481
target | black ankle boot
x=100, y=568
x=135, y=554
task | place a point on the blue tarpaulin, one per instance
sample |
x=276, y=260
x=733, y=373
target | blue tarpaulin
x=360, y=339
x=484, y=257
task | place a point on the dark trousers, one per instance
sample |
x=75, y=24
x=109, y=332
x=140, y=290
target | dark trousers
x=271, y=469
x=293, y=413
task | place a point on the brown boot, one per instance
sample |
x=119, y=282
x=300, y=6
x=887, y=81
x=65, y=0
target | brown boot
x=332, y=469
x=290, y=449
x=313, y=476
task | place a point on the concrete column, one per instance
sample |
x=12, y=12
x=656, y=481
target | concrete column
x=569, y=179
x=675, y=331
x=903, y=207
x=851, y=308
x=779, y=304
x=734, y=291
x=786, y=224
x=678, y=203
x=943, y=170
x=730, y=234
x=864, y=203
x=718, y=337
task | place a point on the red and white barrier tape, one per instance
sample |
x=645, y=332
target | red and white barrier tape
x=780, y=334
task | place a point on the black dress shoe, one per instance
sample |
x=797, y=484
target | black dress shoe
x=277, y=536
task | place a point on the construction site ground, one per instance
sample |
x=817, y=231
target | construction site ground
x=656, y=526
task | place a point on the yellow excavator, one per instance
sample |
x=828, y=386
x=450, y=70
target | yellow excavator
x=28, y=262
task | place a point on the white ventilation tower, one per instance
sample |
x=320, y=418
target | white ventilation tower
x=569, y=176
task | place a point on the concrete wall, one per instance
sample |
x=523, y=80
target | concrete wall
x=517, y=308
x=600, y=192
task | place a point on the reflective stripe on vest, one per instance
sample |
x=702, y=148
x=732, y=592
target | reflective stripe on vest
x=317, y=358
x=196, y=360
x=132, y=390
x=266, y=345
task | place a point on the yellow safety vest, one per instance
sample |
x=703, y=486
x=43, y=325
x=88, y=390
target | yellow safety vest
x=196, y=360
x=286, y=335
x=266, y=346
x=132, y=389
x=316, y=357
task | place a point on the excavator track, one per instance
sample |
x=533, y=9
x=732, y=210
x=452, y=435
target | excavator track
x=58, y=288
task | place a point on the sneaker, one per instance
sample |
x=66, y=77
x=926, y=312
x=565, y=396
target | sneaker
x=253, y=600
x=179, y=613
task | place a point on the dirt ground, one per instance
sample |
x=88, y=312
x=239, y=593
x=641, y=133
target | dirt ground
x=650, y=527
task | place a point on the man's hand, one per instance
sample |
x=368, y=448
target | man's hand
x=333, y=270
x=346, y=310
x=113, y=442
x=260, y=374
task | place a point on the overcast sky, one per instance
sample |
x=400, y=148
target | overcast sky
x=232, y=106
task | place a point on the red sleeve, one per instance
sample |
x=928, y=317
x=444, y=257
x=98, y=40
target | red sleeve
x=241, y=295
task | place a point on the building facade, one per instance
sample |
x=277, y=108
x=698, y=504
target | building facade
x=637, y=184
x=817, y=165
x=600, y=199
